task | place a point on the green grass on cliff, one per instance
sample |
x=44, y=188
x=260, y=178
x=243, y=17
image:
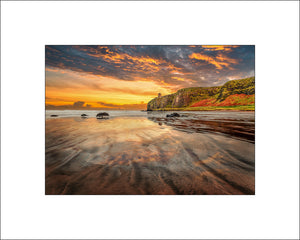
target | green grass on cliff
x=183, y=99
x=242, y=86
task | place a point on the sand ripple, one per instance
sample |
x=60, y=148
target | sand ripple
x=136, y=155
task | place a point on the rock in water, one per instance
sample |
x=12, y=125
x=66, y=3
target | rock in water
x=53, y=115
x=173, y=115
x=84, y=115
x=102, y=115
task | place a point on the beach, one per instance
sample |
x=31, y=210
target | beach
x=136, y=152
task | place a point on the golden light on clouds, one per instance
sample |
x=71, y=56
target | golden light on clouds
x=93, y=89
x=127, y=77
x=226, y=48
x=219, y=61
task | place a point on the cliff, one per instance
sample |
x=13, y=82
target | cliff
x=232, y=93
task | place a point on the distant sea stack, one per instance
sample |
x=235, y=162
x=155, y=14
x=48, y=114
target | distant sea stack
x=232, y=93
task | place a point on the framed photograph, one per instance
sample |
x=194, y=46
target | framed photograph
x=150, y=119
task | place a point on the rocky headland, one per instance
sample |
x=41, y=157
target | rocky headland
x=233, y=95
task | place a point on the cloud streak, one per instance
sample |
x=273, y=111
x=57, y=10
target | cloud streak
x=220, y=61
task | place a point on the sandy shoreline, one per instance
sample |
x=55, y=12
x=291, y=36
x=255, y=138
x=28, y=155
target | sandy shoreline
x=140, y=155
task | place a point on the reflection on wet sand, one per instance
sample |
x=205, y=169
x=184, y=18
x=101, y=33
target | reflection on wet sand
x=243, y=130
x=136, y=155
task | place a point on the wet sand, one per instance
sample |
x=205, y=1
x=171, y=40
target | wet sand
x=151, y=155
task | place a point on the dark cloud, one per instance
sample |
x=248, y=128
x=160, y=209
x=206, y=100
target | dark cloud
x=108, y=104
x=78, y=104
x=142, y=105
x=183, y=66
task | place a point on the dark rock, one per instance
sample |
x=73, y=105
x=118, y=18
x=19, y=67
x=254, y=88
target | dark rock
x=53, y=115
x=173, y=115
x=84, y=115
x=102, y=115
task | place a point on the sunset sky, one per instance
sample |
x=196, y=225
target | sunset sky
x=127, y=77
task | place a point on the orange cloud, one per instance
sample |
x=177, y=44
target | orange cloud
x=224, y=58
x=131, y=63
x=227, y=48
x=219, y=61
x=136, y=63
x=54, y=70
x=179, y=79
x=173, y=69
x=100, y=51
